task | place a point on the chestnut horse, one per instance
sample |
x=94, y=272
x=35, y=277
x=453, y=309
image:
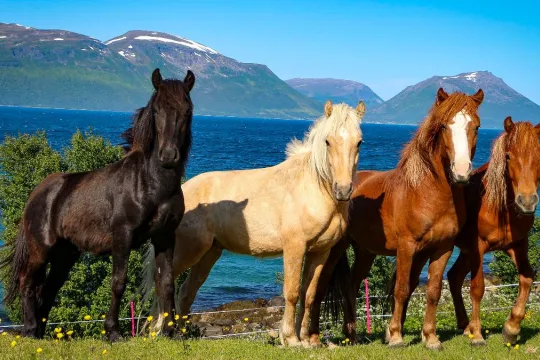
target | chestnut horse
x=413, y=211
x=298, y=208
x=501, y=201
x=109, y=210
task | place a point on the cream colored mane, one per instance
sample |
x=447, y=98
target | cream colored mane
x=496, y=175
x=314, y=142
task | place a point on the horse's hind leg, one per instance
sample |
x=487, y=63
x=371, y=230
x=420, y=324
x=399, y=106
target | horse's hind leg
x=62, y=259
x=312, y=271
x=437, y=263
x=121, y=247
x=324, y=279
x=456, y=277
x=164, y=253
x=512, y=326
x=360, y=270
x=197, y=276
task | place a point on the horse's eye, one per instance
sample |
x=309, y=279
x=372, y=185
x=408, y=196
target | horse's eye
x=327, y=143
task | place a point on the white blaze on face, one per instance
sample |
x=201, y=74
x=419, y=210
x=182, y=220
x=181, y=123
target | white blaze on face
x=462, y=159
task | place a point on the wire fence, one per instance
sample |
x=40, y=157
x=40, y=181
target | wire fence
x=255, y=332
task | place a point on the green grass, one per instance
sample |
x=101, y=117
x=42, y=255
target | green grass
x=455, y=347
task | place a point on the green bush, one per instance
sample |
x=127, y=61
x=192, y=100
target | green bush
x=504, y=269
x=24, y=162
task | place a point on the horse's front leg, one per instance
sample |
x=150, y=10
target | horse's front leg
x=404, y=261
x=164, y=251
x=512, y=326
x=121, y=247
x=437, y=265
x=293, y=257
x=477, y=293
x=312, y=271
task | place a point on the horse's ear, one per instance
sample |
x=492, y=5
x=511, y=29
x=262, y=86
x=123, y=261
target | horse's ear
x=328, y=108
x=478, y=97
x=156, y=79
x=189, y=80
x=361, y=109
x=508, y=124
x=441, y=96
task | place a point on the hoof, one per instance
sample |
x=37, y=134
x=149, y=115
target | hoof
x=396, y=344
x=508, y=337
x=315, y=341
x=114, y=336
x=387, y=335
x=434, y=346
x=478, y=342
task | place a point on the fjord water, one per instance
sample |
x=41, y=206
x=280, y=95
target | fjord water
x=225, y=143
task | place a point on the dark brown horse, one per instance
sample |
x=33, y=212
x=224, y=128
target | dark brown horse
x=109, y=210
x=412, y=212
x=501, y=201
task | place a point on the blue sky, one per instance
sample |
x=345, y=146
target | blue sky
x=387, y=45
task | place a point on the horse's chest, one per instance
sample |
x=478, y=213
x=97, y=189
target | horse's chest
x=331, y=233
x=441, y=228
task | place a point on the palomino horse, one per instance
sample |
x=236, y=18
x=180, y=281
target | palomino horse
x=413, y=211
x=298, y=207
x=109, y=210
x=501, y=201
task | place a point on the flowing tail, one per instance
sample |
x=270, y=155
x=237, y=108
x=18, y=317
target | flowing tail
x=148, y=274
x=338, y=291
x=17, y=261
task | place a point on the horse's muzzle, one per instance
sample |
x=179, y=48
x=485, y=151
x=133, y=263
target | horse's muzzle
x=527, y=203
x=169, y=157
x=343, y=193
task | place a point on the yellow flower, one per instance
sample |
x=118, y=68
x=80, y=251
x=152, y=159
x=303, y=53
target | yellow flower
x=102, y=332
x=144, y=339
x=70, y=332
x=516, y=347
x=246, y=319
x=471, y=336
x=184, y=317
x=508, y=344
x=184, y=330
x=13, y=343
x=343, y=341
x=165, y=314
x=176, y=317
x=43, y=320
x=104, y=351
x=187, y=322
x=153, y=334
x=170, y=323
x=103, y=316
x=18, y=337
x=57, y=330
x=347, y=340
x=38, y=350
x=487, y=331
x=4, y=333
x=59, y=335
x=87, y=317
x=150, y=318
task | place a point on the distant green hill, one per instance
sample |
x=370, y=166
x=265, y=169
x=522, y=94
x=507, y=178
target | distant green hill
x=56, y=68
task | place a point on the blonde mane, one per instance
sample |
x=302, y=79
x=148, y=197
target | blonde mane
x=314, y=142
x=525, y=137
x=416, y=161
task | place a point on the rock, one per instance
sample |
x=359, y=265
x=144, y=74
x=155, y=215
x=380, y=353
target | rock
x=213, y=330
x=222, y=322
x=277, y=301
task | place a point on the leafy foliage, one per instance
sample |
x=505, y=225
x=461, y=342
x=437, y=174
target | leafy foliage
x=24, y=162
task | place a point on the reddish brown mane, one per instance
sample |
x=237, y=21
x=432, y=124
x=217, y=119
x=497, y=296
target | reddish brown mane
x=522, y=139
x=417, y=157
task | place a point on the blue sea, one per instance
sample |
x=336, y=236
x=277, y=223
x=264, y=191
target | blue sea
x=225, y=143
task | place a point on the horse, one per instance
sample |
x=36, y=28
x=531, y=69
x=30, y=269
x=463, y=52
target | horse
x=108, y=211
x=298, y=208
x=501, y=201
x=413, y=211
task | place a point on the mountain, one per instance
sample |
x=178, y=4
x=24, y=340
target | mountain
x=58, y=68
x=347, y=91
x=224, y=86
x=412, y=104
